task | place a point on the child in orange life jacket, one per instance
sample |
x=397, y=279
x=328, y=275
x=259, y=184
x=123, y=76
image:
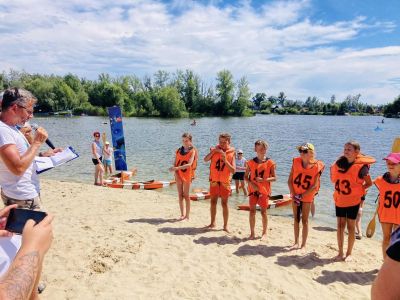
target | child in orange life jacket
x=304, y=183
x=184, y=166
x=222, y=167
x=389, y=198
x=351, y=179
x=259, y=174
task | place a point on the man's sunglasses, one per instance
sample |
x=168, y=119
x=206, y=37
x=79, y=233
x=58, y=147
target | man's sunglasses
x=303, y=151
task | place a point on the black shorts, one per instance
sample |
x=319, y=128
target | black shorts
x=96, y=162
x=347, y=212
x=238, y=176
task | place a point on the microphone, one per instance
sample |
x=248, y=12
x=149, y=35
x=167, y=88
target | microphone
x=48, y=142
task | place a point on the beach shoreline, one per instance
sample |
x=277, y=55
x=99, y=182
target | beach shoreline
x=124, y=244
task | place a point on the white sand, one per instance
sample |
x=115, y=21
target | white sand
x=124, y=244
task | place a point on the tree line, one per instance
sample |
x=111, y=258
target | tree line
x=174, y=95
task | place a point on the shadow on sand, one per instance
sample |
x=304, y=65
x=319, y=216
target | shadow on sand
x=219, y=240
x=152, y=221
x=263, y=250
x=308, y=261
x=324, y=228
x=360, y=278
x=182, y=230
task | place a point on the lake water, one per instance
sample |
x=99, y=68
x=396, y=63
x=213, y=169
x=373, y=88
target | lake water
x=151, y=144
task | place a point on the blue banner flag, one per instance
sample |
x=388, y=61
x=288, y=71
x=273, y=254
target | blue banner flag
x=118, y=140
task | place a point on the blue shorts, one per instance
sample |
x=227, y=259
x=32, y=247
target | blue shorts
x=107, y=162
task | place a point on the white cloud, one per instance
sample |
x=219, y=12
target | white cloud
x=276, y=46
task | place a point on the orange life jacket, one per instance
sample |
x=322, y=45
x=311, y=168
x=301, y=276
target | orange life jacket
x=389, y=201
x=348, y=186
x=303, y=179
x=194, y=164
x=185, y=174
x=218, y=171
x=364, y=159
x=263, y=170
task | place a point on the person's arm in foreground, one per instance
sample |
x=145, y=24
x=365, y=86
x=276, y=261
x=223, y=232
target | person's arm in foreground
x=24, y=272
x=387, y=284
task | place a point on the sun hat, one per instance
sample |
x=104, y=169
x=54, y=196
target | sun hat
x=240, y=151
x=393, y=157
x=107, y=143
x=306, y=146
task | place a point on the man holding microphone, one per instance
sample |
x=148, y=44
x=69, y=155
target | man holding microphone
x=18, y=179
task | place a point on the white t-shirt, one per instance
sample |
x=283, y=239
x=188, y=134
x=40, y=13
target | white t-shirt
x=240, y=163
x=106, y=156
x=21, y=187
x=99, y=150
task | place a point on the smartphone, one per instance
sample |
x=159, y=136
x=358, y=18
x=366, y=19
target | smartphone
x=18, y=217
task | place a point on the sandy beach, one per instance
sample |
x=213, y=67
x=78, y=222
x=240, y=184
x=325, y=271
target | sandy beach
x=124, y=244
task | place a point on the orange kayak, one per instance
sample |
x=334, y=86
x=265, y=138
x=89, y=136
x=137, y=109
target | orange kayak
x=200, y=196
x=145, y=185
x=274, y=201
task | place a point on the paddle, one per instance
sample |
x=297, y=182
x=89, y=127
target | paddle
x=396, y=145
x=371, y=225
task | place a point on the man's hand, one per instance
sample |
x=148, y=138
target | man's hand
x=51, y=152
x=40, y=136
x=38, y=237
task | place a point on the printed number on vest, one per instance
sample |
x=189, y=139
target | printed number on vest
x=306, y=181
x=220, y=165
x=392, y=199
x=181, y=163
x=343, y=187
x=259, y=175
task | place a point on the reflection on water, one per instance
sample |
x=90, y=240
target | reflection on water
x=151, y=143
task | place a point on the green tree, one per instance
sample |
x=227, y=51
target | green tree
x=257, y=99
x=240, y=106
x=224, y=92
x=168, y=103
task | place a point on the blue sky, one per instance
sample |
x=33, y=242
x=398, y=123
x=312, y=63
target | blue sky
x=304, y=48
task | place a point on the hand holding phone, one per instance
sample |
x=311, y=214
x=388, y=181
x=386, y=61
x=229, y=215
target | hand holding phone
x=18, y=217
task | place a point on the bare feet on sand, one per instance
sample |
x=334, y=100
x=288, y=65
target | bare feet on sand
x=263, y=237
x=181, y=218
x=339, y=257
x=294, y=247
x=252, y=237
x=211, y=226
x=226, y=229
x=348, y=258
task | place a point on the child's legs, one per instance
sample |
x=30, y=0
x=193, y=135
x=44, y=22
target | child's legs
x=306, y=207
x=386, y=231
x=341, y=225
x=252, y=220
x=243, y=187
x=264, y=219
x=186, y=189
x=179, y=187
x=296, y=223
x=237, y=185
x=225, y=210
x=351, y=229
